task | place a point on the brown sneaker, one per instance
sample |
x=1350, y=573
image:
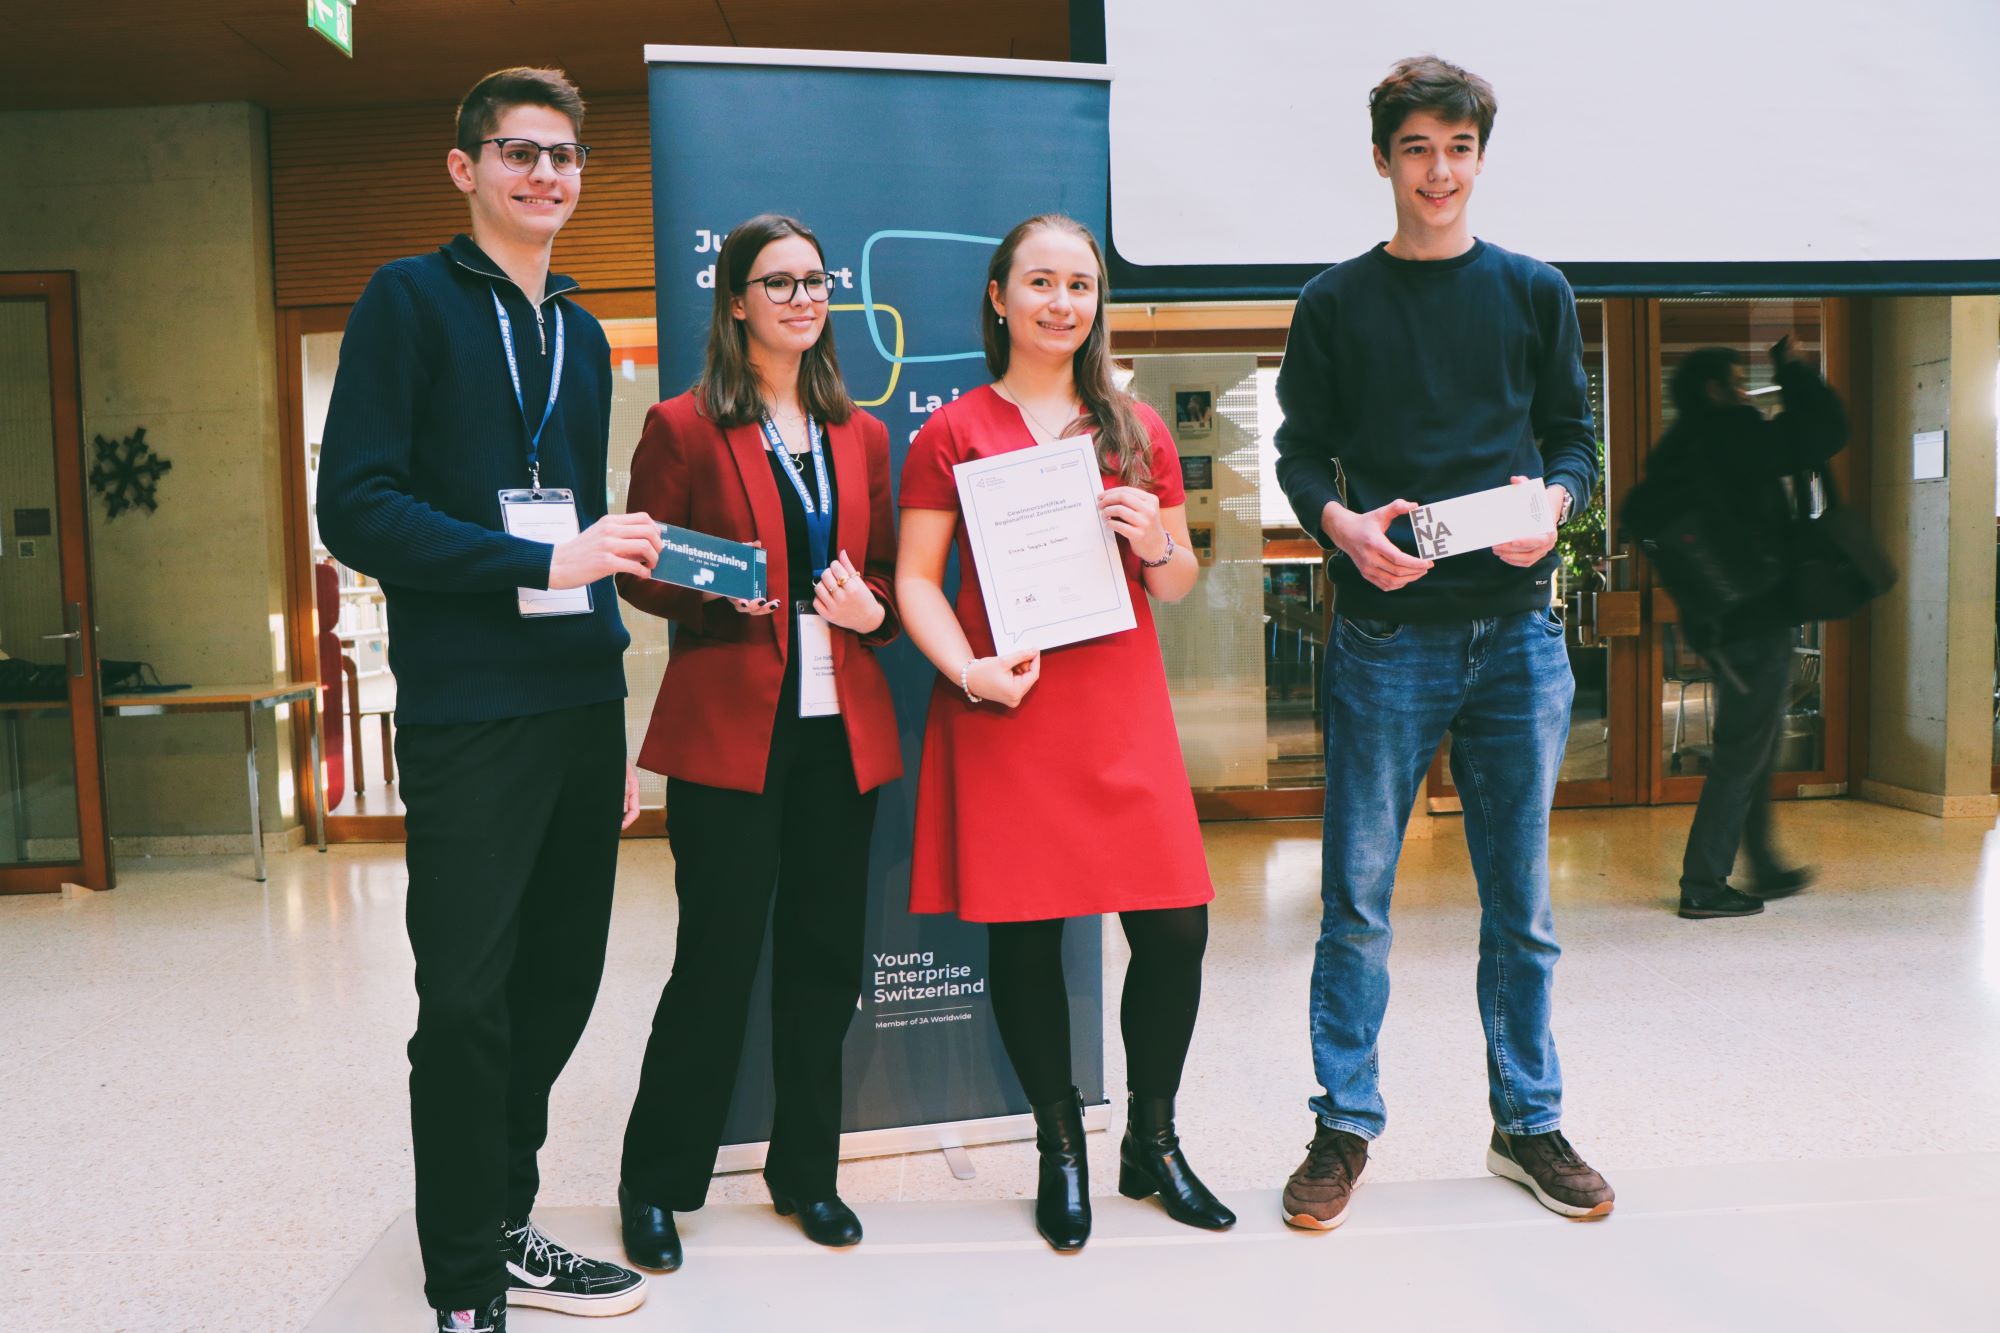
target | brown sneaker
x=1550, y=1168
x=1317, y=1195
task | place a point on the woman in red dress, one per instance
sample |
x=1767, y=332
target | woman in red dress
x=1052, y=783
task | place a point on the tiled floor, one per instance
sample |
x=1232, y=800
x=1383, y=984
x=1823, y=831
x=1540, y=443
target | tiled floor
x=203, y=1125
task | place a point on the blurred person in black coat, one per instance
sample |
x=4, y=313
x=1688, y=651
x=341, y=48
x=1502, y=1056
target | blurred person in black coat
x=1750, y=473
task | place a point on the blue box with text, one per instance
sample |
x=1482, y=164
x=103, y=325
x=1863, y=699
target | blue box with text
x=710, y=564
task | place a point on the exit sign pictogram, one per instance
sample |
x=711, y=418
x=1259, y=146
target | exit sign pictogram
x=333, y=20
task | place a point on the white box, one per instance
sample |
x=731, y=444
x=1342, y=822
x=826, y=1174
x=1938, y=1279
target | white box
x=1482, y=519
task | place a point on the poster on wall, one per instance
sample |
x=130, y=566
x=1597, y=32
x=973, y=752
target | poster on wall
x=909, y=169
x=1202, y=537
x=1194, y=411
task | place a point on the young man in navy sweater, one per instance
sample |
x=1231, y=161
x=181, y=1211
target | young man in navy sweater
x=1433, y=366
x=473, y=399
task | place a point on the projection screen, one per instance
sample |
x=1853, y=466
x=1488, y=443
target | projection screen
x=1702, y=133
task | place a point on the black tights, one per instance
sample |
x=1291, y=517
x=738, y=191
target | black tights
x=1162, y=994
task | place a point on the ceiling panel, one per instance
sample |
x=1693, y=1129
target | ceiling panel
x=144, y=52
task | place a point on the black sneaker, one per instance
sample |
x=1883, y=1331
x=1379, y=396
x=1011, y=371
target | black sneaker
x=544, y=1274
x=492, y=1319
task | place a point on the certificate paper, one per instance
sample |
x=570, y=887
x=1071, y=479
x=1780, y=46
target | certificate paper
x=1482, y=519
x=1048, y=562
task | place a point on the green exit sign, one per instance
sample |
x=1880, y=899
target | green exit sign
x=333, y=20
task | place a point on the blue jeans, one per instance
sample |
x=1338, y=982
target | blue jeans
x=1502, y=687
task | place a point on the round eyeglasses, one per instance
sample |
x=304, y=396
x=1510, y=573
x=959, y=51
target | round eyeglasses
x=780, y=286
x=521, y=155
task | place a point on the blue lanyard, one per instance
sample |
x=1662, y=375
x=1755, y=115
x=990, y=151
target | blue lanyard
x=819, y=518
x=514, y=370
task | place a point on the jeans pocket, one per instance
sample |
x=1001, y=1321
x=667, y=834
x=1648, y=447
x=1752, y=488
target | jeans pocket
x=1551, y=621
x=1371, y=632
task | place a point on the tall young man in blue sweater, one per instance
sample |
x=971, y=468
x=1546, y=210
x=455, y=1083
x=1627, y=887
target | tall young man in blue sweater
x=473, y=404
x=1433, y=366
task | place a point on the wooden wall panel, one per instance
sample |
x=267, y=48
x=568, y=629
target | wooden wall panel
x=353, y=189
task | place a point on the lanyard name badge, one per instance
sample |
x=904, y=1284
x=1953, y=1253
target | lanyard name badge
x=538, y=515
x=817, y=694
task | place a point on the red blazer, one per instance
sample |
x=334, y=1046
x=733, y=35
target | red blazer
x=712, y=722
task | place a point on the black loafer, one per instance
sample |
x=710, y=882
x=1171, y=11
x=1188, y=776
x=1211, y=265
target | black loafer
x=650, y=1238
x=1718, y=901
x=827, y=1221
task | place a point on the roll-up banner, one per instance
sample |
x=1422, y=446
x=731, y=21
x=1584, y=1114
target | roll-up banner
x=910, y=169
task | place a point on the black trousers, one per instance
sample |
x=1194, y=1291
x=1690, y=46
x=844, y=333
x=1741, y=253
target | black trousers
x=512, y=848
x=1735, y=808
x=792, y=858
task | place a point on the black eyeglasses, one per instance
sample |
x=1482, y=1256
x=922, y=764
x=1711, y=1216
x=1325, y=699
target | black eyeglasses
x=522, y=154
x=780, y=286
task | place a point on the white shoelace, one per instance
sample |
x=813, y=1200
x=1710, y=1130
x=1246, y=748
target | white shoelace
x=537, y=1245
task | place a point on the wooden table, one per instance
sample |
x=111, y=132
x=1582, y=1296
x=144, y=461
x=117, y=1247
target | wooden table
x=248, y=700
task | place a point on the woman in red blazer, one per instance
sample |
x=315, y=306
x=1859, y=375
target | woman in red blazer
x=771, y=776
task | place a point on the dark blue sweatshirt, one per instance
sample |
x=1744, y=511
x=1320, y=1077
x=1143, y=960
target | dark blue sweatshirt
x=422, y=434
x=1428, y=380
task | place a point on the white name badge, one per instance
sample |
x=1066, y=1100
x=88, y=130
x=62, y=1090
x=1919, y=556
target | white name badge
x=547, y=515
x=817, y=696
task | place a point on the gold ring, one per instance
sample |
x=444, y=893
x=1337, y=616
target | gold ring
x=840, y=582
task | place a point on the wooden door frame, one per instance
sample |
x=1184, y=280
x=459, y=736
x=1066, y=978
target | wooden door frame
x=1844, y=362
x=301, y=599
x=94, y=867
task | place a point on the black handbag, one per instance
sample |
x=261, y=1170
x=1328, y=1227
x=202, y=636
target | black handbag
x=32, y=682
x=1710, y=564
x=129, y=677
x=1837, y=566
x=37, y=682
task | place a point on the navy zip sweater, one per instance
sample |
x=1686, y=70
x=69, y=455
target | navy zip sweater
x=1425, y=380
x=422, y=434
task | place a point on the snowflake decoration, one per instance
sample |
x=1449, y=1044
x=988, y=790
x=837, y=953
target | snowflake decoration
x=127, y=472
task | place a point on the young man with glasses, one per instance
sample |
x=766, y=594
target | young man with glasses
x=464, y=467
x=1434, y=366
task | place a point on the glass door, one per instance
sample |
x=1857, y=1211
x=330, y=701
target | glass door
x=52, y=822
x=346, y=611
x=1242, y=652
x=1812, y=746
x=1596, y=587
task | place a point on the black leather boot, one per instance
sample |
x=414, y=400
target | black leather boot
x=1150, y=1162
x=650, y=1238
x=1062, y=1192
x=825, y=1221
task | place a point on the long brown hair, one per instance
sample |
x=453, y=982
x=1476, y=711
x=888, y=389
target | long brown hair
x=1123, y=447
x=728, y=388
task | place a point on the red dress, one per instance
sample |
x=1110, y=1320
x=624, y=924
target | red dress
x=1077, y=802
